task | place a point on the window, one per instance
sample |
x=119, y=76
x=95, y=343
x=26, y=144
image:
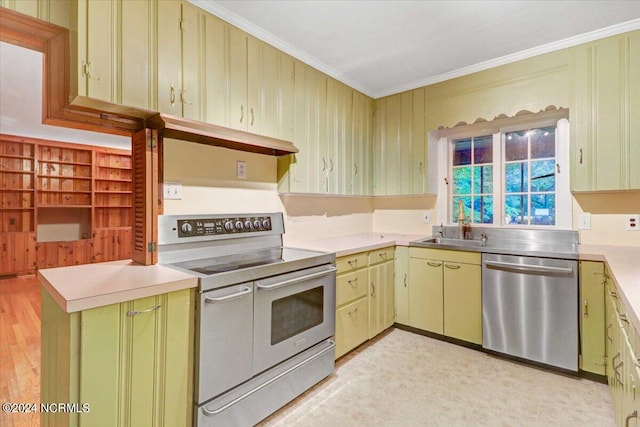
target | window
x=511, y=176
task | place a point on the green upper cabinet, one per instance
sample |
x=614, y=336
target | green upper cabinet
x=399, y=140
x=179, y=58
x=605, y=126
x=361, y=179
x=116, y=51
x=336, y=150
x=57, y=12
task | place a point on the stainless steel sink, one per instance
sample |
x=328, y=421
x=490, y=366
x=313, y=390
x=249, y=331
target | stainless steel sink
x=450, y=242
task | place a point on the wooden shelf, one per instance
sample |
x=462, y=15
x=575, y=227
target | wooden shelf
x=21, y=190
x=17, y=209
x=112, y=206
x=17, y=172
x=12, y=156
x=64, y=191
x=115, y=167
x=59, y=162
x=42, y=205
x=80, y=178
x=112, y=180
x=112, y=192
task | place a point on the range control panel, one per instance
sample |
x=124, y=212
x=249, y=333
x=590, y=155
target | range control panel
x=219, y=226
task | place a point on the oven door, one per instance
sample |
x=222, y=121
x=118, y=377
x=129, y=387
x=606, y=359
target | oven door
x=224, y=351
x=292, y=312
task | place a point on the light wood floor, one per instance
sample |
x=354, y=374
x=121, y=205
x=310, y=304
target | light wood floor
x=19, y=347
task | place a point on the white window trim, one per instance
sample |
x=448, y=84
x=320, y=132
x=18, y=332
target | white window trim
x=564, y=205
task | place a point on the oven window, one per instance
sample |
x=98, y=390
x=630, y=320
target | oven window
x=296, y=313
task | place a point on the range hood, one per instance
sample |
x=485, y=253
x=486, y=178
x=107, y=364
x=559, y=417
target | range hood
x=175, y=127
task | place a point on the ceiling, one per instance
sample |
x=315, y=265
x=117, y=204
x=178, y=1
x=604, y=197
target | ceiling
x=385, y=47
x=21, y=102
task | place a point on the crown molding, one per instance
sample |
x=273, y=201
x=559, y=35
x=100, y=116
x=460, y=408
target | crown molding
x=234, y=19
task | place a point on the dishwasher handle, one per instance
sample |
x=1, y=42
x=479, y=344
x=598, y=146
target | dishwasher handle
x=528, y=268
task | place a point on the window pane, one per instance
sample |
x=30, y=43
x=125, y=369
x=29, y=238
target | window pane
x=515, y=177
x=461, y=152
x=515, y=209
x=515, y=146
x=466, y=201
x=543, y=177
x=483, y=179
x=543, y=208
x=462, y=180
x=483, y=149
x=483, y=209
x=543, y=143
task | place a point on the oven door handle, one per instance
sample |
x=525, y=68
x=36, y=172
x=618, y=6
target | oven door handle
x=209, y=412
x=528, y=268
x=247, y=290
x=296, y=280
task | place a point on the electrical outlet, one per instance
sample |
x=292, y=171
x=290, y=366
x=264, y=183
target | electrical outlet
x=632, y=222
x=584, y=221
x=241, y=169
x=172, y=191
x=426, y=217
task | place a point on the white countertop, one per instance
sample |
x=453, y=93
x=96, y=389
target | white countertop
x=82, y=287
x=348, y=245
x=624, y=266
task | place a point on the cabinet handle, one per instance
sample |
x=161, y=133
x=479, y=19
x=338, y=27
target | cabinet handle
x=351, y=282
x=580, y=156
x=330, y=165
x=434, y=264
x=4, y=247
x=354, y=311
x=383, y=255
x=172, y=95
x=353, y=263
x=355, y=169
x=624, y=317
x=405, y=280
x=586, y=308
x=607, y=334
x=634, y=414
x=148, y=310
x=252, y=116
x=183, y=98
x=87, y=71
x=452, y=266
x=613, y=294
x=421, y=168
x=373, y=289
x=324, y=164
x=241, y=112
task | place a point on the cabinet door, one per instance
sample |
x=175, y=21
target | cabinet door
x=390, y=150
x=418, y=143
x=190, y=91
x=97, y=29
x=286, y=97
x=404, y=167
x=215, y=71
x=378, y=141
x=381, y=300
x=605, y=136
x=361, y=157
x=463, y=301
x=169, y=57
x=592, y=317
x=402, y=285
x=6, y=254
x=351, y=326
x=137, y=57
x=236, y=41
x=425, y=294
x=134, y=362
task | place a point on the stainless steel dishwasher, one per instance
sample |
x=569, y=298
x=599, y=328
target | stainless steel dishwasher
x=530, y=308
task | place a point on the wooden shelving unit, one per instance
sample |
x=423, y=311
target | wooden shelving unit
x=17, y=200
x=43, y=183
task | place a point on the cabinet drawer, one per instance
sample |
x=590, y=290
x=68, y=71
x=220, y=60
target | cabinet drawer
x=352, y=323
x=351, y=262
x=351, y=286
x=445, y=255
x=381, y=255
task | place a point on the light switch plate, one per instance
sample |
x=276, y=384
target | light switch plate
x=584, y=221
x=241, y=169
x=632, y=222
x=172, y=191
x=426, y=217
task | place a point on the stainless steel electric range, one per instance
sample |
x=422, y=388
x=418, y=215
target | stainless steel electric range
x=265, y=314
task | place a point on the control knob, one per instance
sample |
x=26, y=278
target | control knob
x=266, y=223
x=247, y=225
x=186, y=228
x=228, y=225
x=239, y=225
x=256, y=224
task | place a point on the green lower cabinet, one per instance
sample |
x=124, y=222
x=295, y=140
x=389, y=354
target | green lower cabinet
x=445, y=293
x=401, y=296
x=131, y=363
x=592, y=317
